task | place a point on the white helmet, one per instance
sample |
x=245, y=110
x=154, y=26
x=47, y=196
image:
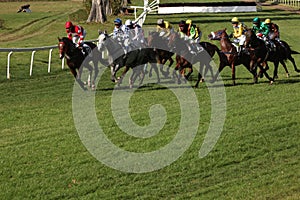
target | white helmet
x=128, y=22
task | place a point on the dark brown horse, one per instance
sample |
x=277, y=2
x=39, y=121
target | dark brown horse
x=230, y=57
x=76, y=60
x=160, y=45
x=185, y=59
x=281, y=54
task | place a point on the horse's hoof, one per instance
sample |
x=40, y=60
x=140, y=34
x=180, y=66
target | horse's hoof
x=288, y=75
x=202, y=80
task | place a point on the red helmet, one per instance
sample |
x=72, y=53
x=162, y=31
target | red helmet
x=68, y=24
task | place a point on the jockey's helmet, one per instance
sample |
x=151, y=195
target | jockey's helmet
x=267, y=21
x=128, y=22
x=160, y=22
x=256, y=20
x=182, y=23
x=68, y=25
x=188, y=21
x=118, y=21
x=234, y=20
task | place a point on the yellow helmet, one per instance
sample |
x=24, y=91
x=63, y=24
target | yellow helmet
x=267, y=21
x=235, y=20
x=189, y=21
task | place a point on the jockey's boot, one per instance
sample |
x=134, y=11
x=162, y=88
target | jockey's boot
x=240, y=50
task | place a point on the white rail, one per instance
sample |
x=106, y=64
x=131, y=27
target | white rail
x=33, y=50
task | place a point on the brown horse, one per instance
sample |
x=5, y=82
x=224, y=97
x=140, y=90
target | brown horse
x=230, y=57
x=185, y=59
x=76, y=60
x=281, y=53
x=160, y=45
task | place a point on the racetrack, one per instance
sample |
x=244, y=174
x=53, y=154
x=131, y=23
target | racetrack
x=42, y=155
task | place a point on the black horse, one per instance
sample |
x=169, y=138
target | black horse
x=135, y=59
x=76, y=60
x=280, y=54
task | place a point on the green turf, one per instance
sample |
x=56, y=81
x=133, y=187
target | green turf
x=42, y=156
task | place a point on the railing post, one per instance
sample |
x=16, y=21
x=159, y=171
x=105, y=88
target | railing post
x=31, y=62
x=8, y=65
x=63, y=63
x=49, y=61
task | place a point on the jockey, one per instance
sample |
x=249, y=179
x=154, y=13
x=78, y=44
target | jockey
x=136, y=33
x=121, y=34
x=184, y=33
x=163, y=27
x=77, y=34
x=259, y=28
x=273, y=33
x=238, y=33
x=193, y=31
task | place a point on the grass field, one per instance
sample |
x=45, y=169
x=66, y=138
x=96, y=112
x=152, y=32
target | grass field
x=43, y=157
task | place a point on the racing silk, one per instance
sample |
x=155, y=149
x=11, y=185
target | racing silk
x=165, y=31
x=238, y=30
x=192, y=32
x=76, y=34
x=138, y=36
x=273, y=31
x=120, y=33
x=264, y=29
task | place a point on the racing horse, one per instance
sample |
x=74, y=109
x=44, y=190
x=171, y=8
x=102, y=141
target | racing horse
x=75, y=58
x=230, y=57
x=185, y=59
x=134, y=59
x=160, y=45
x=281, y=54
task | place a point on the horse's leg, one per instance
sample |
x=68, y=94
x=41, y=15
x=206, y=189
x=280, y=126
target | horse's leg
x=275, y=72
x=190, y=68
x=264, y=70
x=96, y=72
x=154, y=66
x=123, y=75
x=171, y=61
x=233, y=73
x=293, y=61
x=222, y=65
x=78, y=80
x=141, y=74
x=200, y=78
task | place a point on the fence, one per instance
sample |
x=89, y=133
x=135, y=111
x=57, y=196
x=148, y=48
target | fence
x=293, y=3
x=148, y=7
x=33, y=51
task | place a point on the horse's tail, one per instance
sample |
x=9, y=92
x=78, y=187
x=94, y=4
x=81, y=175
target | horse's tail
x=294, y=52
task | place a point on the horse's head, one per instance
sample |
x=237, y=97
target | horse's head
x=65, y=45
x=218, y=35
x=102, y=40
x=61, y=48
x=250, y=36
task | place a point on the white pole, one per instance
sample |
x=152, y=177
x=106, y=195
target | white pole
x=49, y=61
x=63, y=63
x=8, y=63
x=31, y=63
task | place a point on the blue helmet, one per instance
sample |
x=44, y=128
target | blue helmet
x=118, y=21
